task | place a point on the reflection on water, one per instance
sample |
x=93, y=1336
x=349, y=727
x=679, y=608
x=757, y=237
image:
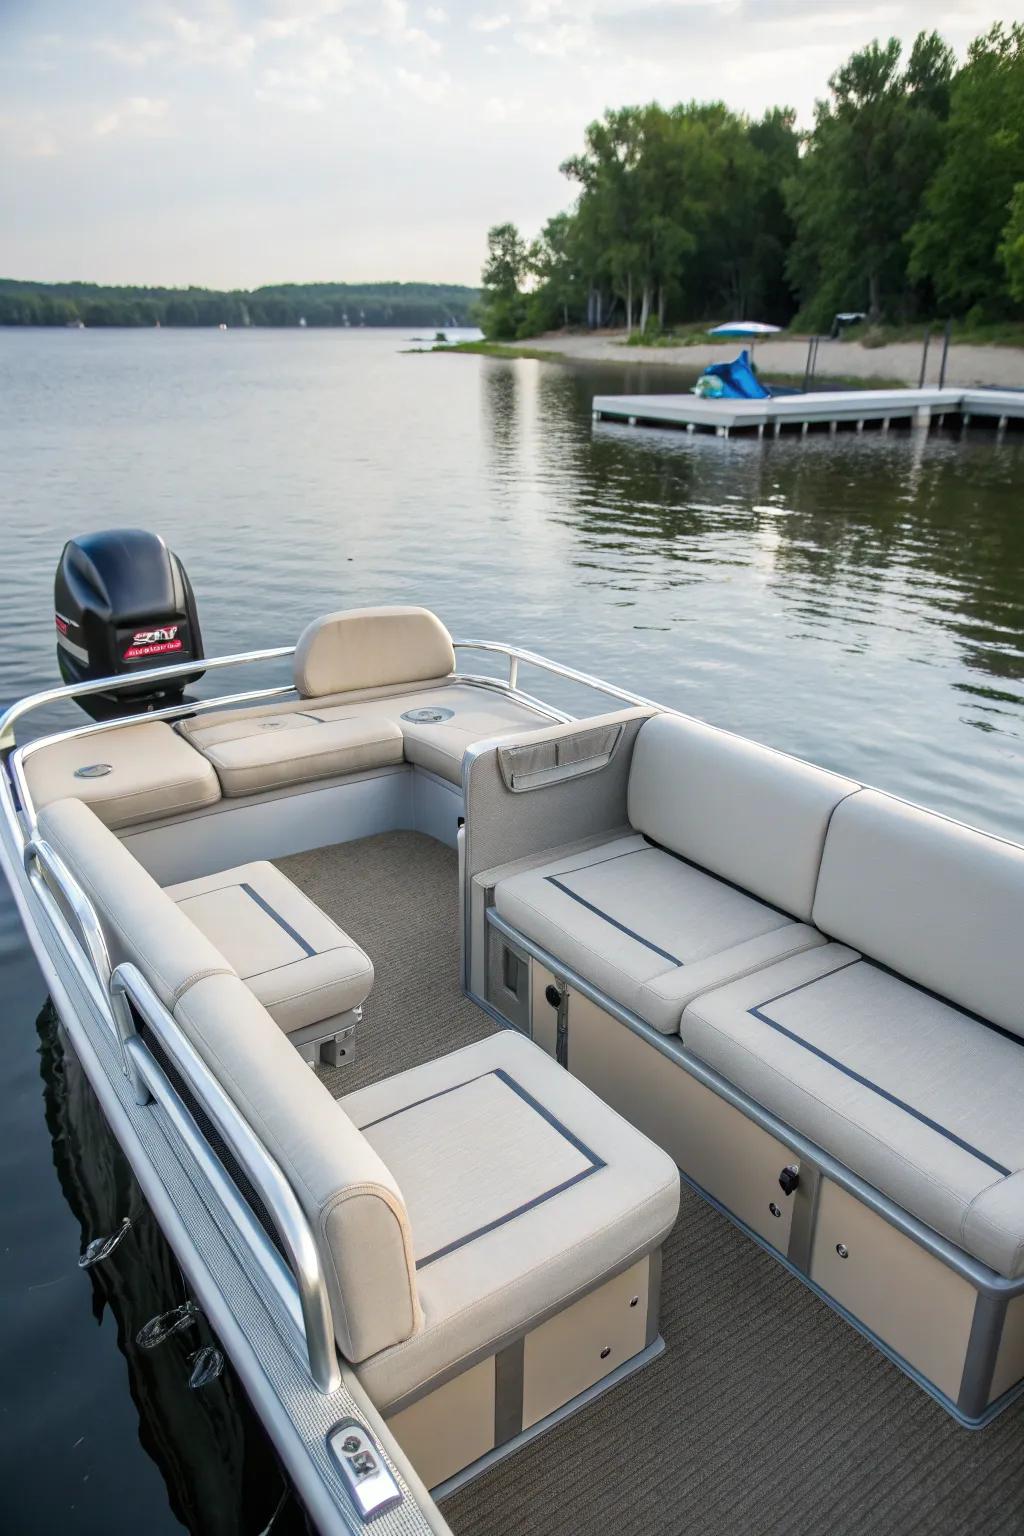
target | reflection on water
x=220, y=1476
x=858, y=600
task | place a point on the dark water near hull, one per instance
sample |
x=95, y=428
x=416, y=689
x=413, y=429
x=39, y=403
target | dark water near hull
x=859, y=601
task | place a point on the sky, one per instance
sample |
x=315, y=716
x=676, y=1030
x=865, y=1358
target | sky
x=231, y=143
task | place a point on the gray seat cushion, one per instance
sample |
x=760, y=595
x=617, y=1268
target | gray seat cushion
x=646, y=927
x=919, y=1098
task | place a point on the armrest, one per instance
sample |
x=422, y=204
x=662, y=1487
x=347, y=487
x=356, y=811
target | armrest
x=540, y=790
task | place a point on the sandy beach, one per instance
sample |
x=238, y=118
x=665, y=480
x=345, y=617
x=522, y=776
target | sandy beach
x=967, y=364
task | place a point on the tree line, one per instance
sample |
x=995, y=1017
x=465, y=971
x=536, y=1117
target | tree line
x=433, y=305
x=904, y=199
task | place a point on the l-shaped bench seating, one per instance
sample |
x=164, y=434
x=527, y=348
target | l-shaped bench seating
x=756, y=957
x=376, y=687
x=490, y=1231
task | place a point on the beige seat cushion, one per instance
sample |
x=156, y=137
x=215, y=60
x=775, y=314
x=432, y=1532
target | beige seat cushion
x=140, y=923
x=919, y=1098
x=297, y=749
x=303, y=968
x=938, y=902
x=145, y=770
x=645, y=927
x=371, y=648
x=438, y=745
x=352, y=1201
x=741, y=811
x=523, y=1189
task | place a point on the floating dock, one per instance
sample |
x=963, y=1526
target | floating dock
x=828, y=410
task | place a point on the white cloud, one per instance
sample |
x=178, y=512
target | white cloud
x=430, y=89
x=28, y=137
x=483, y=23
x=142, y=112
x=437, y=14
x=501, y=109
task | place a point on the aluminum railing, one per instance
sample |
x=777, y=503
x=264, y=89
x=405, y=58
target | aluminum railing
x=298, y=1281
x=279, y=1199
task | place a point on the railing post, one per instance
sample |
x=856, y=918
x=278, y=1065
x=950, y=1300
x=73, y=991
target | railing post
x=513, y=671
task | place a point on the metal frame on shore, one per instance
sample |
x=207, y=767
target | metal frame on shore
x=827, y=410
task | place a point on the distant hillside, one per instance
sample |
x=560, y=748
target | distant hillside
x=430, y=305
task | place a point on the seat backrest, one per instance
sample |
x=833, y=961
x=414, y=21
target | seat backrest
x=353, y=1204
x=752, y=816
x=140, y=923
x=935, y=901
x=371, y=648
x=350, y=1198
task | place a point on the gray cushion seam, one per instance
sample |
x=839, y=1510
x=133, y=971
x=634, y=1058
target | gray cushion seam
x=830, y=1108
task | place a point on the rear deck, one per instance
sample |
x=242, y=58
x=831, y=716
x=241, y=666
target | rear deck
x=829, y=410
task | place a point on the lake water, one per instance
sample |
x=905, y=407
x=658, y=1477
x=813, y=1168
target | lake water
x=858, y=600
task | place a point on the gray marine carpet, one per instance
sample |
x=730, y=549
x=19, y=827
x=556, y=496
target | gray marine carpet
x=397, y=895
x=767, y=1415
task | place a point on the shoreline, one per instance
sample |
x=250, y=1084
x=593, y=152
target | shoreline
x=894, y=364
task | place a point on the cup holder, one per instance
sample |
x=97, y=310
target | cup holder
x=429, y=715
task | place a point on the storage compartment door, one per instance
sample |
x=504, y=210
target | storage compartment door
x=905, y=1295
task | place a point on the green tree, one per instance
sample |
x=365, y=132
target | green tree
x=956, y=243
x=502, y=304
x=876, y=141
x=1011, y=250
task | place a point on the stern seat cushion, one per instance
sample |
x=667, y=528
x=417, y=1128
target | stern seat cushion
x=234, y=739
x=133, y=773
x=646, y=927
x=286, y=749
x=916, y=1096
x=523, y=1190
x=303, y=968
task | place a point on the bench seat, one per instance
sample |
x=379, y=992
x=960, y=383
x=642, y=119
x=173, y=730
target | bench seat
x=522, y=1190
x=305, y=970
x=916, y=1096
x=644, y=926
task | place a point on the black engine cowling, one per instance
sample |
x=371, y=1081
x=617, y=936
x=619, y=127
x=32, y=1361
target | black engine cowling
x=124, y=604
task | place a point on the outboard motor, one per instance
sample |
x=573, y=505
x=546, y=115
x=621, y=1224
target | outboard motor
x=124, y=604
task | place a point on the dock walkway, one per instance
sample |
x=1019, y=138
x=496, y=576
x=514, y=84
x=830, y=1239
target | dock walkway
x=829, y=409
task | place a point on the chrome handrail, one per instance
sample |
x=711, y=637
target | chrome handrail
x=289, y=1219
x=33, y=701
x=516, y=655
x=45, y=868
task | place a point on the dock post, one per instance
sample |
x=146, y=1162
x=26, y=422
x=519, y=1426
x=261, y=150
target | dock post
x=885, y=423
x=803, y=428
x=945, y=352
x=597, y=415
x=691, y=427
x=1002, y=423
x=860, y=424
x=924, y=355
x=923, y=417
x=833, y=428
x=778, y=427
x=632, y=421
x=760, y=429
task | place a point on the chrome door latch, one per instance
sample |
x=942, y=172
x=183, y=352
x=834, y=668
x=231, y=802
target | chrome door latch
x=366, y=1474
